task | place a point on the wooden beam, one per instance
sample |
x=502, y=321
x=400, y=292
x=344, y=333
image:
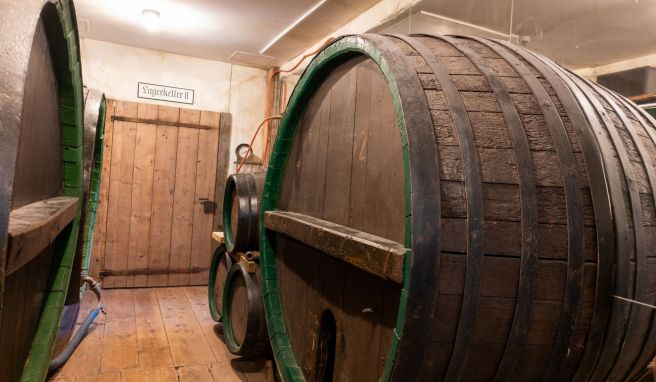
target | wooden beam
x=370, y=253
x=148, y=121
x=34, y=226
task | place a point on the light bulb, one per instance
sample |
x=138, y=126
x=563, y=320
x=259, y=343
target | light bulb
x=151, y=20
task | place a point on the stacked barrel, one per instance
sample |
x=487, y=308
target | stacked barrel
x=235, y=297
x=458, y=208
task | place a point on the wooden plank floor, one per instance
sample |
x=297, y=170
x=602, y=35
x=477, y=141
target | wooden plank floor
x=155, y=335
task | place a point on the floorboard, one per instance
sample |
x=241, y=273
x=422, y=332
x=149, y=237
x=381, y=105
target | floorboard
x=153, y=335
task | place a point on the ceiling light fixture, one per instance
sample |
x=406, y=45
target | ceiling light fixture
x=151, y=20
x=292, y=25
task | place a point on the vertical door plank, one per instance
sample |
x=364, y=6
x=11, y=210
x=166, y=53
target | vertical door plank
x=163, y=189
x=120, y=195
x=187, y=341
x=142, y=187
x=152, y=344
x=100, y=230
x=201, y=243
x=113, y=191
x=183, y=199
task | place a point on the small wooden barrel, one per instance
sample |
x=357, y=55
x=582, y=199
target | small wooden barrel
x=458, y=208
x=221, y=263
x=41, y=178
x=241, y=211
x=244, y=325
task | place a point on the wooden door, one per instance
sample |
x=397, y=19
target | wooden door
x=161, y=169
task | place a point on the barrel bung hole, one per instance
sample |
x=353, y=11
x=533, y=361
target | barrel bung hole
x=326, y=347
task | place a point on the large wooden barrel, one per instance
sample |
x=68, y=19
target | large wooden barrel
x=40, y=178
x=241, y=211
x=457, y=208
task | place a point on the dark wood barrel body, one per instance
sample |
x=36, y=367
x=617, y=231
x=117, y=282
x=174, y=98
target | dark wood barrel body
x=40, y=178
x=522, y=193
x=241, y=211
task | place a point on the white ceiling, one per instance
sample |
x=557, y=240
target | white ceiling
x=225, y=30
x=576, y=33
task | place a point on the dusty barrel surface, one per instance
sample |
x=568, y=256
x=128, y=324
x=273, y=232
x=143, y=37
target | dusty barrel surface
x=40, y=178
x=457, y=208
x=241, y=211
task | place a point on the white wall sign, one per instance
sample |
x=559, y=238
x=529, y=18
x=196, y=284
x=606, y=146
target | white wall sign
x=165, y=93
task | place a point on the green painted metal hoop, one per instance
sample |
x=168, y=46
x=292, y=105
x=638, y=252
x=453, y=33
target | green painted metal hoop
x=69, y=79
x=338, y=52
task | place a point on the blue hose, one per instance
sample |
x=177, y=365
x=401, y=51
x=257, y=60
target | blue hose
x=61, y=359
x=65, y=354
